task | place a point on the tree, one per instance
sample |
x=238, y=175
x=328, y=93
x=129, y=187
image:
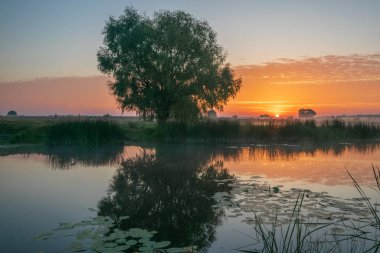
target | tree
x=169, y=65
x=12, y=113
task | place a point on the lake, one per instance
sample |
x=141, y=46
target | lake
x=178, y=198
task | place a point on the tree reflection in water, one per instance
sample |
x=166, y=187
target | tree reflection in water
x=170, y=192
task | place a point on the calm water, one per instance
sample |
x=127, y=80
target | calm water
x=169, y=189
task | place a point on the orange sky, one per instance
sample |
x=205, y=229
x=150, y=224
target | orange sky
x=330, y=85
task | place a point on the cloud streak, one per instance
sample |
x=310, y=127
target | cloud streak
x=316, y=70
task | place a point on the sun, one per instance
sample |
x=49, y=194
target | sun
x=277, y=115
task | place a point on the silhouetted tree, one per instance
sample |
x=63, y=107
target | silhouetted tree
x=169, y=65
x=12, y=113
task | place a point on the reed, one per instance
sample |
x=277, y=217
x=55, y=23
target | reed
x=85, y=133
x=373, y=220
x=296, y=237
x=99, y=131
x=246, y=131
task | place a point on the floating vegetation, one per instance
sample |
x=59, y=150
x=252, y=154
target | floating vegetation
x=281, y=225
x=99, y=234
x=252, y=196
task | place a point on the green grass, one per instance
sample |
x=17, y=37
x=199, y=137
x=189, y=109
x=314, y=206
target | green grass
x=21, y=131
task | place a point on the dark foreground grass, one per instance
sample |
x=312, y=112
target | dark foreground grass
x=374, y=219
x=84, y=133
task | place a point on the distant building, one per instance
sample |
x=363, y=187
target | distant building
x=211, y=114
x=306, y=113
x=12, y=113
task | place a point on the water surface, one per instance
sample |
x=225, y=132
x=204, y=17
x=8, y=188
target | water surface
x=169, y=189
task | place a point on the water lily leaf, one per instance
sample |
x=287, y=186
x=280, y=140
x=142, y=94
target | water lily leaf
x=44, y=236
x=85, y=234
x=110, y=245
x=131, y=242
x=121, y=241
x=163, y=244
x=174, y=250
x=76, y=247
x=66, y=225
x=139, y=233
x=122, y=248
x=145, y=249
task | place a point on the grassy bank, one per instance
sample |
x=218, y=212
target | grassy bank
x=68, y=132
x=14, y=131
x=98, y=132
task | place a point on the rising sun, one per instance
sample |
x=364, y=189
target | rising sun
x=277, y=115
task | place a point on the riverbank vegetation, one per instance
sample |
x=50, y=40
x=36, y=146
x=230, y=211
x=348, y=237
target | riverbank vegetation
x=106, y=131
x=272, y=131
x=84, y=133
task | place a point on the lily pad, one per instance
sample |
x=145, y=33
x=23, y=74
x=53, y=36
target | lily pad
x=44, y=236
x=163, y=244
x=174, y=250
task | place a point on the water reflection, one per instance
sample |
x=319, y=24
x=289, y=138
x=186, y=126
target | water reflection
x=170, y=192
x=284, y=152
x=65, y=157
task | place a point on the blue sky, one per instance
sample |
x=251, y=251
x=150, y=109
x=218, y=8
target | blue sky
x=49, y=38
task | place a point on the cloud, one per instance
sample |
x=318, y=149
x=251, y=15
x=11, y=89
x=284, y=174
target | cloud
x=316, y=70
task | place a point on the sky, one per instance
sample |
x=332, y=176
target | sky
x=290, y=53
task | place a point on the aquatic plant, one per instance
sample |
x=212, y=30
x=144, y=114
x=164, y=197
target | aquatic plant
x=294, y=220
x=100, y=234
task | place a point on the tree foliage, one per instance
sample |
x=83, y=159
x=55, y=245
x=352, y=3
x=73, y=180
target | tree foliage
x=12, y=113
x=168, y=65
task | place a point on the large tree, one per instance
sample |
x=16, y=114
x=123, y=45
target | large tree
x=168, y=65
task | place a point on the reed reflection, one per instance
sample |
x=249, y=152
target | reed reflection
x=170, y=192
x=65, y=157
x=323, y=165
x=286, y=152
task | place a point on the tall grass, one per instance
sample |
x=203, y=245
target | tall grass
x=245, y=131
x=86, y=133
x=374, y=219
x=89, y=132
x=296, y=238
